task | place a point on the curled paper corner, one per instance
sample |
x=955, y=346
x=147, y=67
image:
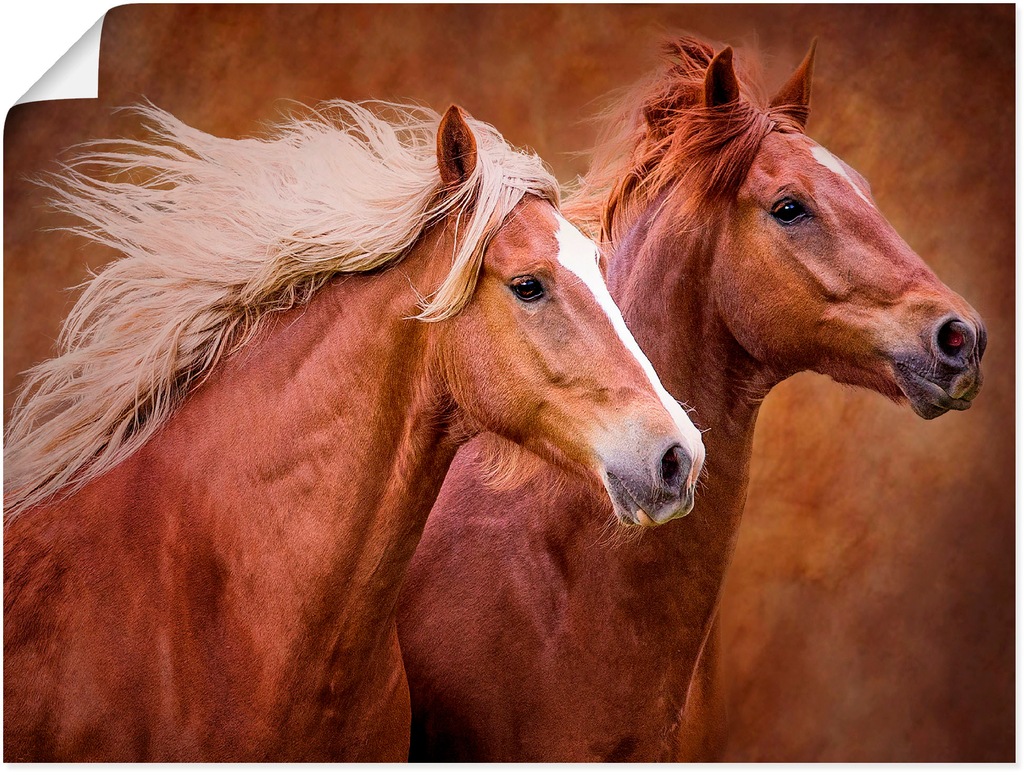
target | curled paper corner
x=76, y=75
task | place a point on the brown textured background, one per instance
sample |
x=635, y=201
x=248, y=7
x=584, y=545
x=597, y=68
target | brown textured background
x=869, y=614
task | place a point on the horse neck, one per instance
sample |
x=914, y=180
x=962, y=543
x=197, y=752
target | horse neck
x=661, y=277
x=313, y=457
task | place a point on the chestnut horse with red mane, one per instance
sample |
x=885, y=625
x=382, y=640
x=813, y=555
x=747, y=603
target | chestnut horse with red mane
x=741, y=252
x=214, y=492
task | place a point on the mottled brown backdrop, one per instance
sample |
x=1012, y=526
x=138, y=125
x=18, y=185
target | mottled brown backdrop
x=870, y=610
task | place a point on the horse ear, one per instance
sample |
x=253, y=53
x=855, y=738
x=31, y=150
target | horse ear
x=456, y=148
x=720, y=84
x=794, y=98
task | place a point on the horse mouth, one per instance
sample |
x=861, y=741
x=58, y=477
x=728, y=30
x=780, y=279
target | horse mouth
x=629, y=511
x=927, y=398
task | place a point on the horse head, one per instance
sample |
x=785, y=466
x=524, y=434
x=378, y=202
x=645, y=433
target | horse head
x=821, y=280
x=540, y=355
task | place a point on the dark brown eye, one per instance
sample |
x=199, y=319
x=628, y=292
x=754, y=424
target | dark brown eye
x=787, y=211
x=527, y=288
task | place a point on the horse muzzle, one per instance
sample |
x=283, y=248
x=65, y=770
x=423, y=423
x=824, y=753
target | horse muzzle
x=946, y=372
x=656, y=492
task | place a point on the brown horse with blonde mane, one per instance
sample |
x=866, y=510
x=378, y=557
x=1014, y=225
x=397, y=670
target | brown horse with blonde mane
x=214, y=492
x=741, y=252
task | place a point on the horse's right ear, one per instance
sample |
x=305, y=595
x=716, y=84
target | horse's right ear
x=456, y=148
x=720, y=84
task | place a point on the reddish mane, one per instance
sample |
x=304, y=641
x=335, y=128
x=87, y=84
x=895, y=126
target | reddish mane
x=657, y=135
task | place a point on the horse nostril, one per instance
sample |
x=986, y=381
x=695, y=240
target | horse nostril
x=672, y=467
x=952, y=337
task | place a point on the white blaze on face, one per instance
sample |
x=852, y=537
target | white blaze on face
x=579, y=255
x=826, y=159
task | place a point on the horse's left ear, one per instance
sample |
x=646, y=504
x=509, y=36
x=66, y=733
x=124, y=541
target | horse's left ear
x=720, y=84
x=456, y=148
x=794, y=98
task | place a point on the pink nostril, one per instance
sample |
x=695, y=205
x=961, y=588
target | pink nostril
x=952, y=337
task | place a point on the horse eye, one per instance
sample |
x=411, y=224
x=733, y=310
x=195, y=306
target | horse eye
x=527, y=288
x=787, y=211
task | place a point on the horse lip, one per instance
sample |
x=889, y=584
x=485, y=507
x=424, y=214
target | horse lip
x=926, y=396
x=620, y=492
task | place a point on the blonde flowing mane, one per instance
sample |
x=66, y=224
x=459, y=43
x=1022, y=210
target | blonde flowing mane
x=215, y=234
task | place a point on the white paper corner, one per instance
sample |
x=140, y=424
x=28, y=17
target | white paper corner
x=76, y=75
